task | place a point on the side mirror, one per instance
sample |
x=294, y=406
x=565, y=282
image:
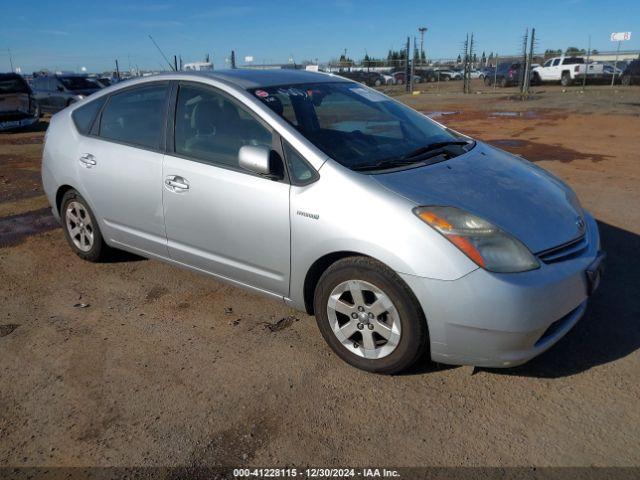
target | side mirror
x=256, y=159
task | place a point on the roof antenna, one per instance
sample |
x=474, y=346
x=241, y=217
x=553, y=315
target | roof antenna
x=162, y=53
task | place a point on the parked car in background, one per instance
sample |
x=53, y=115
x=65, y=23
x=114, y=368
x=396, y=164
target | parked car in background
x=486, y=71
x=445, y=74
x=55, y=92
x=566, y=70
x=475, y=74
x=483, y=259
x=631, y=74
x=388, y=79
x=426, y=74
x=400, y=78
x=507, y=75
x=18, y=106
x=371, y=79
x=103, y=81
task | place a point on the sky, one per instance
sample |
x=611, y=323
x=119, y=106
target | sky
x=71, y=34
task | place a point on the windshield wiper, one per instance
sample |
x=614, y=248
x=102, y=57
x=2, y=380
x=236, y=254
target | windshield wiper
x=434, y=146
x=418, y=156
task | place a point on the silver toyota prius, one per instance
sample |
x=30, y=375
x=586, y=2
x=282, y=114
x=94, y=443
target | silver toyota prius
x=403, y=237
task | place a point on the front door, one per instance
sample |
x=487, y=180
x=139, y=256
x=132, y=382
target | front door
x=121, y=169
x=219, y=218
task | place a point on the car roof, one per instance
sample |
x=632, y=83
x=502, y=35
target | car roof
x=249, y=78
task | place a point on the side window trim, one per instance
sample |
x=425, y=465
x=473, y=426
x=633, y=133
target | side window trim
x=315, y=176
x=170, y=146
x=97, y=123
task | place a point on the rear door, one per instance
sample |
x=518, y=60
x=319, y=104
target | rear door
x=219, y=218
x=120, y=165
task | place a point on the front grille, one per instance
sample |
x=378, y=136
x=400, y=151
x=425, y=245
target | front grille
x=565, y=251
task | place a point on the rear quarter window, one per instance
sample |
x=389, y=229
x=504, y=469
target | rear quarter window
x=84, y=116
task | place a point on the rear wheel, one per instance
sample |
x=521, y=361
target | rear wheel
x=503, y=82
x=81, y=228
x=369, y=317
x=626, y=80
x=487, y=81
x=565, y=80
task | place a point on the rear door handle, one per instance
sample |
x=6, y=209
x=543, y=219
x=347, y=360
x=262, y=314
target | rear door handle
x=87, y=160
x=175, y=183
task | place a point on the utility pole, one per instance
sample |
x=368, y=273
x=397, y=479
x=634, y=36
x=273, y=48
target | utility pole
x=233, y=59
x=422, y=31
x=584, y=77
x=10, y=59
x=407, y=69
x=117, y=70
x=615, y=64
x=530, y=59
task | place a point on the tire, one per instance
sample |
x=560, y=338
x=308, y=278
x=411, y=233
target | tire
x=446, y=78
x=626, y=80
x=535, y=79
x=502, y=82
x=487, y=81
x=566, y=80
x=377, y=83
x=400, y=320
x=87, y=242
x=400, y=82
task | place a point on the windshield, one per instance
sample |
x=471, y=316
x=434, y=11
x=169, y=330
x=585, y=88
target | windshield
x=13, y=84
x=78, y=83
x=356, y=126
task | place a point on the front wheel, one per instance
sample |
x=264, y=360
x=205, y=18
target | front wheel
x=369, y=317
x=626, y=80
x=565, y=80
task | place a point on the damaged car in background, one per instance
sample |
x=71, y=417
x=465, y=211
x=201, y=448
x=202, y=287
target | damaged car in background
x=18, y=107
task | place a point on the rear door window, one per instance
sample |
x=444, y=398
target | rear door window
x=136, y=116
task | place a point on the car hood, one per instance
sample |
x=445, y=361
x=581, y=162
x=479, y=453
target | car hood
x=512, y=193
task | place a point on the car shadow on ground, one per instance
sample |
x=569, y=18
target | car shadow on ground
x=610, y=329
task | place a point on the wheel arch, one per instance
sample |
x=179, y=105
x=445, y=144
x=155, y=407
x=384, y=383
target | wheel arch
x=62, y=189
x=316, y=270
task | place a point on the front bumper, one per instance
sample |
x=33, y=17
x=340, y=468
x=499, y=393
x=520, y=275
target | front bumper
x=503, y=320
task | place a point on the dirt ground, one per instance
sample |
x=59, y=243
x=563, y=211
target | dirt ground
x=135, y=363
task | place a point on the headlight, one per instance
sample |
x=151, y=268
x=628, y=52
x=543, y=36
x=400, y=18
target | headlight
x=484, y=243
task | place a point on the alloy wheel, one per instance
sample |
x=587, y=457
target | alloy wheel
x=364, y=319
x=79, y=226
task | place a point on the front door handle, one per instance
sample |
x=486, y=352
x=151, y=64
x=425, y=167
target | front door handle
x=175, y=183
x=87, y=160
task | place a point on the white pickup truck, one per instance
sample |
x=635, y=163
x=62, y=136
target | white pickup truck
x=566, y=69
